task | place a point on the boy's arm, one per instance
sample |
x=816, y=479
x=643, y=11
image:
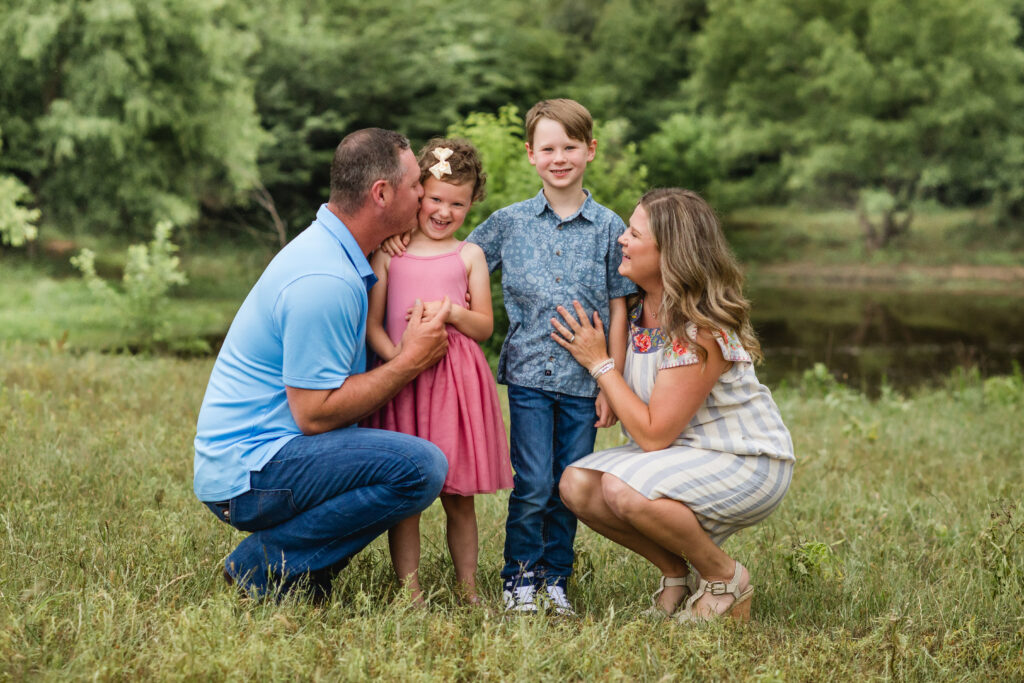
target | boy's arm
x=487, y=236
x=376, y=336
x=618, y=332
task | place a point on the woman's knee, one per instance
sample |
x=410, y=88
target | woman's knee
x=576, y=487
x=622, y=499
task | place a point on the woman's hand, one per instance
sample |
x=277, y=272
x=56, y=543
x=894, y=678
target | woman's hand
x=584, y=341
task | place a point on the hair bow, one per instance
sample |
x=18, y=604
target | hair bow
x=442, y=167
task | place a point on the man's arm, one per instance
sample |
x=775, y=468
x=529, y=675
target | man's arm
x=424, y=343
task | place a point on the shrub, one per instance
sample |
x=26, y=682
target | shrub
x=149, y=273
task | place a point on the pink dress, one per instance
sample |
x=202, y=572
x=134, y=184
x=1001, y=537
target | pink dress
x=454, y=404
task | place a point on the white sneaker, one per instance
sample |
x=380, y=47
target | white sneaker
x=520, y=594
x=558, y=600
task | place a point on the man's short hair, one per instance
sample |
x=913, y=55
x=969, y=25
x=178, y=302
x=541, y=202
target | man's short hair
x=573, y=116
x=361, y=159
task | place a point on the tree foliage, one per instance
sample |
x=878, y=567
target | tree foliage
x=17, y=221
x=116, y=114
x=637, y=56
x=122, y=113
x=879, y=102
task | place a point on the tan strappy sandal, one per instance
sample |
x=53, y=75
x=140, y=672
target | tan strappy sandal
x=690, y=582
x=739, y=609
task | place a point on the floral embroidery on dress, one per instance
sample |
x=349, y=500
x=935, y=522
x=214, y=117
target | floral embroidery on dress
x=676, y=352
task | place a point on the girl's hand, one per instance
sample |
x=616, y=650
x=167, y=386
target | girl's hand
x=431, y=309
x=395, y=245
x=584, y=341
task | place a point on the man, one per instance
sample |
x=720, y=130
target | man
x=276, y=450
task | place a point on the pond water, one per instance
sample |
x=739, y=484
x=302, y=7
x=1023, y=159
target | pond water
x=867, y=337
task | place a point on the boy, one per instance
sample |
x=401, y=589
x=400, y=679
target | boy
x=554, y=248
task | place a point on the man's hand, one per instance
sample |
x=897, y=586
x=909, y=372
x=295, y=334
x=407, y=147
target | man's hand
x=605, y=416
x=425, y=340
x=424, y=343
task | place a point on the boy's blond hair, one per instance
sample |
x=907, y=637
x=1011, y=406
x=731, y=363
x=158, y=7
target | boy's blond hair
x=573, y=116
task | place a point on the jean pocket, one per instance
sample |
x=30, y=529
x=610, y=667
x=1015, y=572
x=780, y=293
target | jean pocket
x=262, y=508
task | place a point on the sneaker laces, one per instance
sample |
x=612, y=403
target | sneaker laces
x=519, y=592
x=557, y=596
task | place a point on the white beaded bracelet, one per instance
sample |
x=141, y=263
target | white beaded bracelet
x=602, y=367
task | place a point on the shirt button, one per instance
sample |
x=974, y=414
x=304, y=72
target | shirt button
x=559, y=227
x=558, y=279
x=547, y=372
x=558, y=252
x=551, y=358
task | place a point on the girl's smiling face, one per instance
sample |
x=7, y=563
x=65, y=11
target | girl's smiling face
x=444, y=207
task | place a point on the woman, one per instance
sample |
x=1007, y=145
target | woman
x=708, y=453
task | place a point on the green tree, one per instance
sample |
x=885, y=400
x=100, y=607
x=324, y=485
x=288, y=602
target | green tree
x=121, y=113
x=327, y=67
x=877, y=102
x=683, y=153
x=638, y=54
x=17, y=222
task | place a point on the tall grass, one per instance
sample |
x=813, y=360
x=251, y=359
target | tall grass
x=898, y=553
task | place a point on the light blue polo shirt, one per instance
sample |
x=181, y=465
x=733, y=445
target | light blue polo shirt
x=303, y=325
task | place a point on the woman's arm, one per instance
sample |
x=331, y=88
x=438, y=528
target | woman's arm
x=376, y=336
x=677, y=395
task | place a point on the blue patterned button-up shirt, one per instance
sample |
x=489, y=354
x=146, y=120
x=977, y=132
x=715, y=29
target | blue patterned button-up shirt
x=547, y=261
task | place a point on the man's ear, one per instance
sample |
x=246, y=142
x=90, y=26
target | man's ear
x=381, y=193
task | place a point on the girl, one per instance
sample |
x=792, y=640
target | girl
x=455, y=403
x=708, y=453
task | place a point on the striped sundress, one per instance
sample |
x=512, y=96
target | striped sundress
x=734, y=461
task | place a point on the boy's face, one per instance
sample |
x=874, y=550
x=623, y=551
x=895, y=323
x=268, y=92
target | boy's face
x=560, y=160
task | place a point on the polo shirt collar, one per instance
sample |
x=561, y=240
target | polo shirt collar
x=340, y=231
x=587, y=210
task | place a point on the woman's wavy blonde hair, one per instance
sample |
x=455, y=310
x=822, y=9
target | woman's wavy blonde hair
x=702, y=281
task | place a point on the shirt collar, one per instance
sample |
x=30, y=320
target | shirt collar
x=339, y=230
x=587, y=209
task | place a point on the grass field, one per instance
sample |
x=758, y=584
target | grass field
x=898, y=553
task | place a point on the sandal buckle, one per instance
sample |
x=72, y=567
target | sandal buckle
x=717, y=588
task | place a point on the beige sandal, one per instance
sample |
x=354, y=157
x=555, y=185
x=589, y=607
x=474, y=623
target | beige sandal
x=739, y=609
x=690, y=582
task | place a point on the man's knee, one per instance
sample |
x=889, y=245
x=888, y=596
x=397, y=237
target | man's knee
x=431, y=467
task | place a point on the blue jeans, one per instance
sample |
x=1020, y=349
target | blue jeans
x=549, y=431
x=321, y=499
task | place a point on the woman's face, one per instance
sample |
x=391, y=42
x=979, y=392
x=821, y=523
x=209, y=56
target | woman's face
x=641, y=258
